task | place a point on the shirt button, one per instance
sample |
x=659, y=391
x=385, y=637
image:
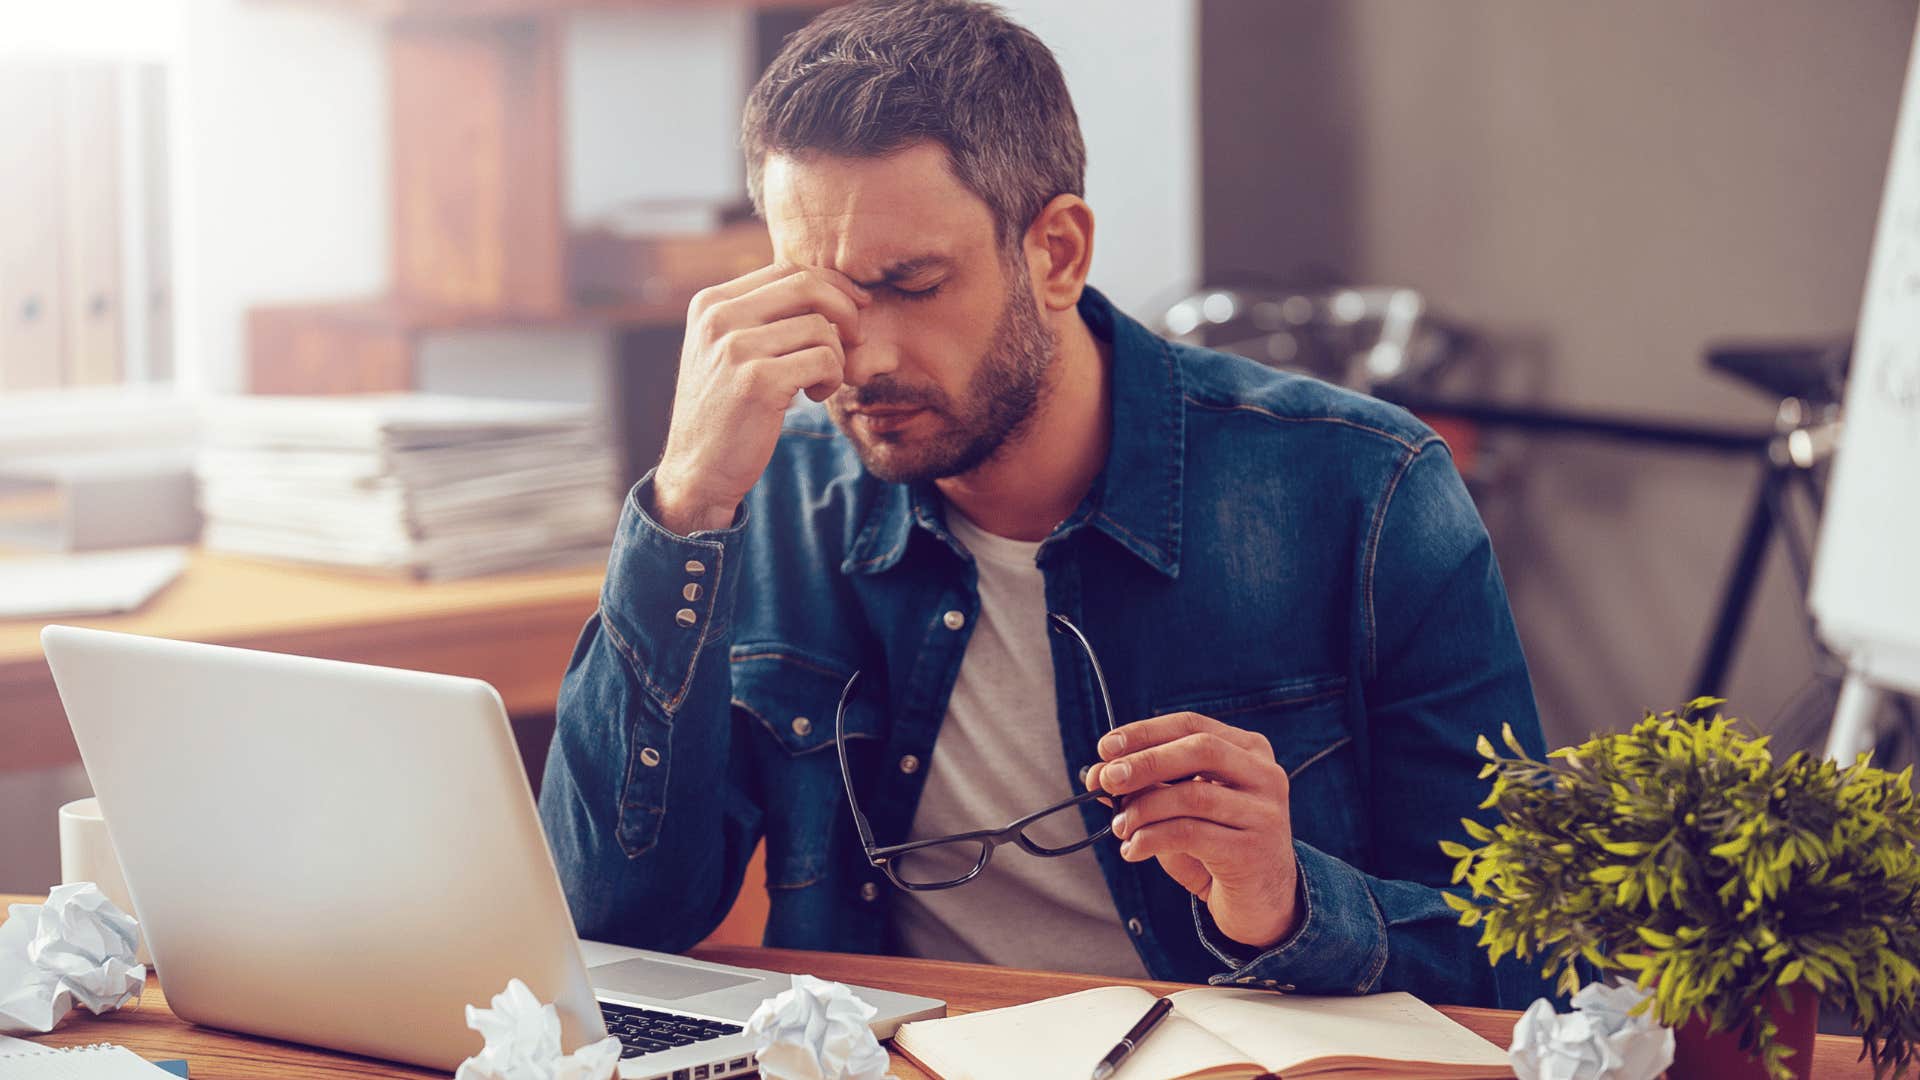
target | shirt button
x=1135, y=927
x=909, y=764
x=690, y=591
x=695, y=567
x=686, y=616
x=954, y=619
x=802, y=726
x=649, y=756
x=869, y=892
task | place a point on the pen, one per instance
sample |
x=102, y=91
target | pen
x=1161, y=1007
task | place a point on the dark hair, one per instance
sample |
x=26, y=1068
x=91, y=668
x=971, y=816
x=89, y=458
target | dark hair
x=870, y=78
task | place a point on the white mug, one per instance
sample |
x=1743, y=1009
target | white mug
x=86, y=854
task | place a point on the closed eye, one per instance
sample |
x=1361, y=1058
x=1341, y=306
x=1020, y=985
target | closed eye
x=927, y=293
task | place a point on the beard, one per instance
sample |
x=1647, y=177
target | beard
x=1000, y=401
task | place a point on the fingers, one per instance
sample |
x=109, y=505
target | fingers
x=818, y=370
x=1210, y=754
x=783, y=336
x=1203, y=841
x=790, y=356
x=1209, y=802
x=740, y=286
x=826, y=292
x=1189, y=872
x=1159, y=729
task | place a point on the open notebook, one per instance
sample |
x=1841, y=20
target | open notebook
x=1215, y=1033
x=31, y=1061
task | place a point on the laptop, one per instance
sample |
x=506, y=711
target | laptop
x=347, y=856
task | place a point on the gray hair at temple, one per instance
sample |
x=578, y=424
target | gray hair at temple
x=871, y=78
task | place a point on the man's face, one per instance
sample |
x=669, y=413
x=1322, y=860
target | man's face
x=955, y=352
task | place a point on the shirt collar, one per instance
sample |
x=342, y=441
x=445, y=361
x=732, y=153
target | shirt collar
x=1136, y=498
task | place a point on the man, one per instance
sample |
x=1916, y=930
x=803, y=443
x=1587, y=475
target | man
x=1295, y=607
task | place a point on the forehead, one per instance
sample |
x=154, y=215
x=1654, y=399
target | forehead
x=860, y=215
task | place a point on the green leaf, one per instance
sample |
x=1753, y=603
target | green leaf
x=1654, y=937
x=1736, y=846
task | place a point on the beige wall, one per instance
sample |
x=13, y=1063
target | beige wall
x=1608, y=187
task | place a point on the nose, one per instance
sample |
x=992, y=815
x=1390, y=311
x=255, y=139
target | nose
x=876, y=355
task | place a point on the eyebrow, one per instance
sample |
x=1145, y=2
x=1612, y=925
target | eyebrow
x=905, y=269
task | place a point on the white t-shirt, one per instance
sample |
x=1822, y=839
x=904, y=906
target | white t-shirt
x=998, y=757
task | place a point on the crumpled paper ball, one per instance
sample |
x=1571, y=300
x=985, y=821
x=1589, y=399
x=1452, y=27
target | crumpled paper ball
x=523, y=1043
x=1596, y=1041
x=77, y=948
x=816, y=1031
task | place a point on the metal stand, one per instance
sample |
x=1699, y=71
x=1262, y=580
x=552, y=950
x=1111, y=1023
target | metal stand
x=1801, y=443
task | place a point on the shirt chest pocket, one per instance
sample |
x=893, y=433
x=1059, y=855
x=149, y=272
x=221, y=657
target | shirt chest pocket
x=1305, y=722
x=787, y=702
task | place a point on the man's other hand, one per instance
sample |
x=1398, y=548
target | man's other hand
x=1210, y=803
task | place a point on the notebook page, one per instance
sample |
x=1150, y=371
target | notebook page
x=1284, y=1031
x=1065, y=1037
x=80, y=1063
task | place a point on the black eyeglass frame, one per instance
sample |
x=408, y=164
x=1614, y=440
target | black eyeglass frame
x=882, y=858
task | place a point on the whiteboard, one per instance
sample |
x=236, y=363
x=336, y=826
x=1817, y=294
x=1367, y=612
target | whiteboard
x=1865, y=595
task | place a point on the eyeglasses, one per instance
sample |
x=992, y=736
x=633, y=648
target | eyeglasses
x=947, y=861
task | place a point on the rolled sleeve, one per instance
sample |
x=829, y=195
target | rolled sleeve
x=668, y=597
x=1340, y=946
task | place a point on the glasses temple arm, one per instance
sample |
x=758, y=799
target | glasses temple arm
x=846, y=770
x=1099, y=677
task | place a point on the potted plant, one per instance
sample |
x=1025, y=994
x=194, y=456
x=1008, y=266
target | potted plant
x=1738, y=889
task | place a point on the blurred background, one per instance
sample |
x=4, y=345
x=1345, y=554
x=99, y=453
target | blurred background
x=1614, y=252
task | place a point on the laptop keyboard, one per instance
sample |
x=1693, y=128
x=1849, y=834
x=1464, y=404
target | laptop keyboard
x=647, y=1031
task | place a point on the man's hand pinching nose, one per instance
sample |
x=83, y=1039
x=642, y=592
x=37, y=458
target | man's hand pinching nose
x=1208, y=801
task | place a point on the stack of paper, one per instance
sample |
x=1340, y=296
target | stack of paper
x=438, y=487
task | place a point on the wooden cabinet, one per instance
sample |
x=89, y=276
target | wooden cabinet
x=477, y=215
x=480, y=237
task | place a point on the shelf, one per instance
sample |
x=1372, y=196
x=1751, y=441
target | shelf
x=393, y=315
x=475, y=10
x=370, y=345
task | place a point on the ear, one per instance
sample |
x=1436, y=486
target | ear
x=1059, y=249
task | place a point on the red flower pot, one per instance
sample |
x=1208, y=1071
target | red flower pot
x=1700, y=1055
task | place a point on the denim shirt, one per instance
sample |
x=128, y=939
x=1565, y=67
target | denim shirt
x=1282, y=555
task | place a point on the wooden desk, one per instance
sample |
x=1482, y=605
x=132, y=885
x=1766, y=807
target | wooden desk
x=154, y=1032
x=513, y=630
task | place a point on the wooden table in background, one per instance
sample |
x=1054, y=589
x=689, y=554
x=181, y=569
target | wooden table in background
x=513, y=630
x=155, y=1033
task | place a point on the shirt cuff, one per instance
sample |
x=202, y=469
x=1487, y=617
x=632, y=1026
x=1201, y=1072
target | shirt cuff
x=668, y=597
x=1339, y=947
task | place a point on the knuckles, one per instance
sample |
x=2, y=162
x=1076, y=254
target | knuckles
x=702, y=302
x=707, y=323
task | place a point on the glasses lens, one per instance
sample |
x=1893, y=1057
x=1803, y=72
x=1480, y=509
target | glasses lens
x=1064, y=830
x=938, y=864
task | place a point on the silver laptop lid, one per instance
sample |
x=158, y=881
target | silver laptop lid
x=328, y=853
